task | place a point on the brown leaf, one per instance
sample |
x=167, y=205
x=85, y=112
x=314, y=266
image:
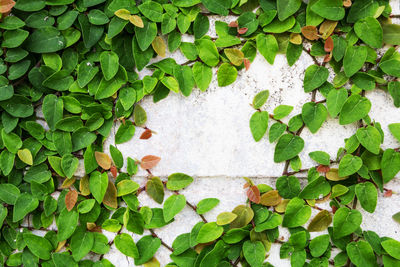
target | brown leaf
x=114, y=171
x=327, y=57
x=347, y=3
x=146, y=134
x=6, y=5
x=110, y=198
x=70, y=199
x=149, y=162
x=310, y=32
x=334, y=209
x=323, y=168
x=242, y=30
x=271, y=198
x=103, y=160
x=388, y=193
x=159, y=46
x=254, y=194
x=233, y=24
x=320, y=222
x=327, y=28
x=247, y=64
x=328, y=45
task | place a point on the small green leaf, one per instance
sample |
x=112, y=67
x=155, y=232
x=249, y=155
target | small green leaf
x=260, y=99
x=226, y=75
x=226, y=218
x=345, y=222
x=126, y=245
x=254, y=252
x=288, y=147
x=370, y=138
x=98, y=184
x=178, y=181
x=370, y=31
x=139, y=115
x=349, y=165
x=209, y=232
x=172, y=206
x=109, y=63
x=296, y=214
x=314, y=77
x=206, y=205
x=354, y=59
x=314, y=115
x=125, y=132
x=355, y=108
x=367, y=195
x=259, y=124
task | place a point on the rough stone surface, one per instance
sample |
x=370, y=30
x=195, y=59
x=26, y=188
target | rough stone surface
x=207, y=135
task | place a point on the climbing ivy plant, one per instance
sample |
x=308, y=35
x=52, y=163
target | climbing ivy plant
x=69, y=71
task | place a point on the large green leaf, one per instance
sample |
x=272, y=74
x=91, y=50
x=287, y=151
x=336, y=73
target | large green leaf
x=345, y=222
x=45, y=40
x=288, y=147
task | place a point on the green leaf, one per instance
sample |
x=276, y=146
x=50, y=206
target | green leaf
x=361, y=253
x=335, y=101
x=109, y=62
x=282, y=111
x=391, y=34
x=390, y=164
x=9, y=193
x=259, y=124
x=329, y=9
x=370, y=31
x=218, y=6
x=296, y=214
x=320, y=157
x=288, y=147
x=117, y=157
x=260, y=99
x=69, y=165
x=395, y=130
x=18, y=106
x=184, y=75
x=172, y=206
x=226, y=218
x=14, y=38
x=355, y=108
x=139, y=115
x=81, y=243
x=319, y=245
x=147, y=247
x=86, y=205
x=52, y=109
x=286, y=8
x=126, y=245
x=126, y=187
x=354, y=59
x=155, y=189
x=45, y=40
x=60, y=259
x=125, y=132
x=226, y=75
x=254, y=252
x=370, y=138
x=202, y=75
x=268, y=46
x=320, y=222
x=362, y=9
x=24, y=204
x=11, y=141
x=367, y=195
x=98, y=184
x=209, y=232
x=234, y=55
x=316, y=188
x=288, y=186
x=66, y=222
x=201, y=26
x=91, y=34
x=206, y=205
x=392, y=247
x=276, y=130
x=178, y=181
x=314, y=115
x=208, y=52
x=146, y=35
x=39, y=246
x=394, y=90
x=349, y=165
x=171, y=83
x=345, y=222
x=152, y=10
x=314, y=77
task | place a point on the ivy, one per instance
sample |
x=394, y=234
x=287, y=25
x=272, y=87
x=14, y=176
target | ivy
x=69, y=71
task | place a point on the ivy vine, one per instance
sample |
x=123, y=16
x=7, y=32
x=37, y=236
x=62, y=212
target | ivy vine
x=69, y=71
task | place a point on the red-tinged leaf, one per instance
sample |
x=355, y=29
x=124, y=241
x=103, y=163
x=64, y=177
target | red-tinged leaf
x=103, y=160
x=347, y=3
x=246, y=185
x=6, y=5
x=328, y=45
x=334, y=209
x=310, y=32
x=70, y=199
x=327, y=57
x=146, y=134
x=149, y=162
x=253, y=194
x=323, y=168
x=242, y=30
x=114, y=171
x=233, y=24
x=388, y=193
x=247, y=64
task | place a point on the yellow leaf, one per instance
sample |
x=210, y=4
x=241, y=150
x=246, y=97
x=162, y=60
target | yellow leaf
x=320, y=222
x=84, y=186
x=152, y=263
x=295, y=38
x=281, y=207
x=136, y=20
x=68, y=182
x=110, y=198
x=271, y=198
x=327, y=28
x=159, y=46
x=60, y=245
x=235, y=56
x=103, y=160
x=25, y=156
x=333, y=175
x=123, y=14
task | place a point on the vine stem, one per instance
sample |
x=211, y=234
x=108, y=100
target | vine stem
x=162, y=242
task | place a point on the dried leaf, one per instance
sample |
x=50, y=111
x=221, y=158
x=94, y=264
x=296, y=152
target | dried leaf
x=388, y=193
x=254, y=194
x=310, y=32
x=320, y=222
x=136, y=20
x=247, y=64
x=295, y=38
x=323, y=168
x=327, y=28
x=84, y=186
x=147, y=134
x=110, y=198
x=233, y=24
x=70, y=199
x=242, y=30
x=114, y=171
x=347, y=3
x=149, y=162
x=328, y=47
x=103, y=160
x=159, y=46
x=123, y=14
x=327, y=57
x=271, y=198
x=6, y=5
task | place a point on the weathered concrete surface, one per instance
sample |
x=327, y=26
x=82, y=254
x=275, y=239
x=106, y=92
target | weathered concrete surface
x=207, y=135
